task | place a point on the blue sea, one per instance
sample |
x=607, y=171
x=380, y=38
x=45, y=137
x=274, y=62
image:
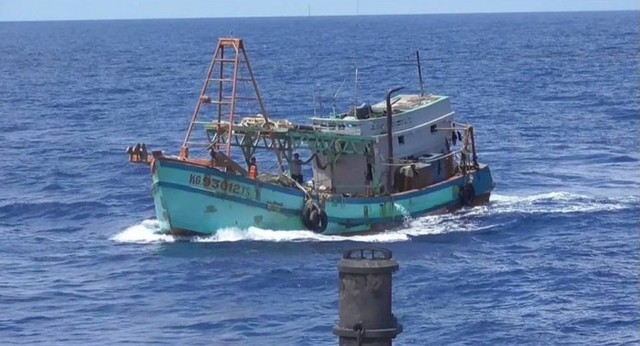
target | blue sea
x=552, y=260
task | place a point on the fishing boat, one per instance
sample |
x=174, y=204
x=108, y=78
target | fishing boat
x=374, y=166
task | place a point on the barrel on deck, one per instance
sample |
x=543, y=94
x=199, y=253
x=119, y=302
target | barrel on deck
x=365, y=298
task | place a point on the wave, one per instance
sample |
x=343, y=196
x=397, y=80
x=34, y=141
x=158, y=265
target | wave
x=467, y=220
x=72, y=210
x=145, y=232
x=148, y=231
x=555, y=203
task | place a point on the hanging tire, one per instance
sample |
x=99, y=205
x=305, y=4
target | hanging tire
x=467, y=195
x=314, y=218
x=306, y=215
x=322, y=221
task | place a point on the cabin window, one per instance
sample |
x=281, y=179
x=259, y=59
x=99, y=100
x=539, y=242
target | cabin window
x=434, y=128
x=400, y=139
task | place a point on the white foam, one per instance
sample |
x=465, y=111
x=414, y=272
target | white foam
x=550, y=196
x=441, y=224
x=405, y=214
x=148, y=232
x=474, y=219
x=267, y=235
x=552, y=202
x=145, y=232
x=467, y=220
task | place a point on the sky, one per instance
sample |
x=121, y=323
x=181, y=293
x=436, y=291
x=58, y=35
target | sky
x=34, y=10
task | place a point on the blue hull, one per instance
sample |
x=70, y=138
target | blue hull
x=193, y=199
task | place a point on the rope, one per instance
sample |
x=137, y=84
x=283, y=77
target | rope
x=319, y=164
x=300, y=187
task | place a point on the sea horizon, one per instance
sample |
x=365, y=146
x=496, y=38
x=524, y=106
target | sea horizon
x=316, y=16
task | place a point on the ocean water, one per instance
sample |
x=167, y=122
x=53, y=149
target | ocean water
x=552, y=260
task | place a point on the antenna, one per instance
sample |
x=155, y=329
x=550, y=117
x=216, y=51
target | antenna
x=333, y=99
x=321, y=109
x=355, y=106
x=420, y=73
x=314, y=101
x=317, y=100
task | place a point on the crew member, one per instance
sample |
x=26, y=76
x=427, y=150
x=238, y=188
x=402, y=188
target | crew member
x=212, y=154
x=295, y=167
x=143, y=153
x=253, y=169
x=137, y=152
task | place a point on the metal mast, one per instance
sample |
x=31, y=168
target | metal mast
x=229, y=65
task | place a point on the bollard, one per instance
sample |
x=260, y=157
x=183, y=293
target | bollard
x=365, y=298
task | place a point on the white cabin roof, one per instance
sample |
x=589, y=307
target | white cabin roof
x=408, y=111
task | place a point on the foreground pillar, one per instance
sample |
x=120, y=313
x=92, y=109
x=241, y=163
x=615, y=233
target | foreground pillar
x=365, y=298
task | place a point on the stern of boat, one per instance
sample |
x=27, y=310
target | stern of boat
x=483, y=184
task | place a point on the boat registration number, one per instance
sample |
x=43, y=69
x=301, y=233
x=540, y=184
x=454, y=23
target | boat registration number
x=212, y=183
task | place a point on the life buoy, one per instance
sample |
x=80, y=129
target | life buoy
x=314, y=218
x=467, y=195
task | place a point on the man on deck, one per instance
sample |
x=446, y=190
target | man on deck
x=253, y=169
x=295, y=168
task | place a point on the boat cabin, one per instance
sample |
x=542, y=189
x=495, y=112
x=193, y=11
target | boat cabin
x=420, y=150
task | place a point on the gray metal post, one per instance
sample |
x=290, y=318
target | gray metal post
x=365, y=298
x=390, y=169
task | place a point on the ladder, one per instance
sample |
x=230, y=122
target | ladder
x=220, y=90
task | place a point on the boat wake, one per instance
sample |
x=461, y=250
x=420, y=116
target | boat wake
x=148, y=232
x=554, y=203
x=145, y=232
x=467, y=220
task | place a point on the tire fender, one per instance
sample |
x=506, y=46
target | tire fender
x=314, y=218
x=467, y=195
